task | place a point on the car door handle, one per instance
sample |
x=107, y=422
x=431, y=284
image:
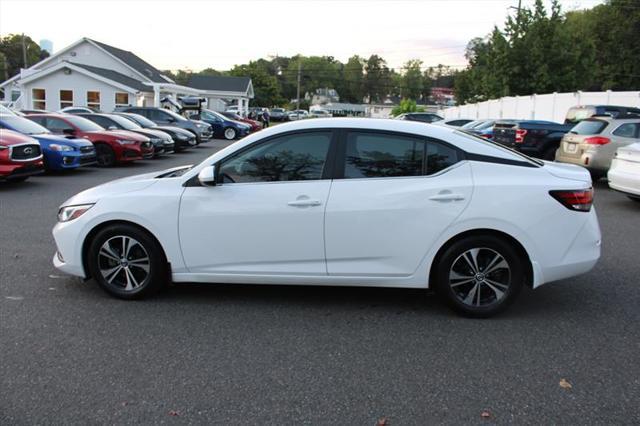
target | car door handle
x=447, y=197
x=304, y=203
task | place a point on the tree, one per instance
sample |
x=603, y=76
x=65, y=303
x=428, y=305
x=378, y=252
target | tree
x=377, y=79
x=354, y=80
x=412, y=80
x=265, y=86
x=11, y=48
x=406, y=105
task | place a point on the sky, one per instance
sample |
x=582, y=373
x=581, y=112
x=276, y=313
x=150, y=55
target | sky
x=198, y=34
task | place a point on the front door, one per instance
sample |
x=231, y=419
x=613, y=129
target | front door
x=396, y=196
x=266, y=216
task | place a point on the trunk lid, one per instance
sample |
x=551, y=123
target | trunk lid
x=568, y=171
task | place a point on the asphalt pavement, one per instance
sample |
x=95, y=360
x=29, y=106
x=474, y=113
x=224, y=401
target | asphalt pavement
x=241, y=354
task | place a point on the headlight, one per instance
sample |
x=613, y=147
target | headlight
x=56, y=147
x=156, y=140
x=125, y=142
x=200, y=126
x=65, y=214
x=3, y=147
x=182, y=137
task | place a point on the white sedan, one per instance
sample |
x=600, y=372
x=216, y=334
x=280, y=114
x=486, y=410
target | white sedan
x=353, y=202
x=624, y=174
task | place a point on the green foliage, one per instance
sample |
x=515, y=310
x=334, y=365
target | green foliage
x=406, y=105
x=543, y=51
x=11, y=58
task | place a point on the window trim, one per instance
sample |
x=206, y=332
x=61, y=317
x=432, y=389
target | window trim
x=61, y=102
x=115, y=99
x=340, y=163
x=43, y=100
x=93, y=104
x=327, y=171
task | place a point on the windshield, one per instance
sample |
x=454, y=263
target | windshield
x=212, y=115
x=175, y=173
x=83, y=124
x=126, y=124
x=589, y=127
x=473, y=124
x=24, y=125
x=277, y=110
x=499, y=146
x=140, y=119
x=174, y=115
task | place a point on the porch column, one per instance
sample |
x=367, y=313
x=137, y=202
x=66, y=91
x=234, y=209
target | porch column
x=240, y=107
x=156, y=96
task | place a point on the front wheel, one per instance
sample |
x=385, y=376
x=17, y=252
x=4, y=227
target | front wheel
x=106, y=157
x=229, y=133
x=127, y=262
x=479, y=276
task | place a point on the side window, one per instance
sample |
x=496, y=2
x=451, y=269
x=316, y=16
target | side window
x=101, y=121
x=627, y=130
x=292, y=157
x=439, y=157
x=57, y=126
x=372, y=155
x=40, y=120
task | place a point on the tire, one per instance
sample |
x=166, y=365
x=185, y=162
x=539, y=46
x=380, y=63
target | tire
x=596, y=175
x=468, y=290
x=636, y=199
x=105, y=155
x=229, y=133
x=549, y=154
x=142, y=274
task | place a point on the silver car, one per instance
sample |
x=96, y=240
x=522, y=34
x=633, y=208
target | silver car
x=592, y=143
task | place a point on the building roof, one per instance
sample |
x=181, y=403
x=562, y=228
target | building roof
x=219, y=83
x=115, y=76
x=135, y=62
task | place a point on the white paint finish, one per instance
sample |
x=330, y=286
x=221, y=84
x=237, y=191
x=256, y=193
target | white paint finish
x=391, y=222
x=248, y=232
x=77, y=82
x=251, y=228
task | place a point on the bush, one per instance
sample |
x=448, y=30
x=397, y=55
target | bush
x=406, y=105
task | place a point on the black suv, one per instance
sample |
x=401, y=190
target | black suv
x=165, y=117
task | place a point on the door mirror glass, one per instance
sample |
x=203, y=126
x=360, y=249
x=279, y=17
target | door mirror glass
x=112, y=127
x=207, y=176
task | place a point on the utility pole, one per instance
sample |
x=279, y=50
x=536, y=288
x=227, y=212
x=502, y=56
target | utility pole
x=298, y=90
x=519, y=8
x=24, y=52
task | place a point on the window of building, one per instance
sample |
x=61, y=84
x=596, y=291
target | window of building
x=122, y=99
x=39, y=98
x=66, y=98
x=93, y=100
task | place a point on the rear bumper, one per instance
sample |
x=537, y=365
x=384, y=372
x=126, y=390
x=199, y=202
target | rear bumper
x=624, y=180
x=591, y=160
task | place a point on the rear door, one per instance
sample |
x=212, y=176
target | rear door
x=393, y=196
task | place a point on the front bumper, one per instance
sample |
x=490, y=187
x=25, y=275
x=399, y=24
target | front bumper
x=14, y=171
x=63, y=160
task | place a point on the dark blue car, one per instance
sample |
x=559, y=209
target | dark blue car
x=223, y=127
x=59, y=152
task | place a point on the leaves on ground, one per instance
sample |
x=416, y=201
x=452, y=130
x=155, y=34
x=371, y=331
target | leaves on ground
x=485, y=414
x=564, y=384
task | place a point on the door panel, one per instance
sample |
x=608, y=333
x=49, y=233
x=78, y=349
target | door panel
x=251, y=228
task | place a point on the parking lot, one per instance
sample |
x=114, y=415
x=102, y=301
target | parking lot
x=230, y=354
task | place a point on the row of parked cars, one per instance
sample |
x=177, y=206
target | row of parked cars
x=32, y=141
x=605, y=139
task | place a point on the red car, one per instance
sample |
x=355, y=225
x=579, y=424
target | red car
x=112, y=146
x=255, y=125
x=20, y=156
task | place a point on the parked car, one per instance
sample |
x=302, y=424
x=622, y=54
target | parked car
x=182, y=139
x=459, y=223
x=111, y=146
x=34, y=111
x=59, y=153
x=222, y=126
x=297, y=114
x=5, y=110
x=20, y=156
x=165, y=117
x=482, y=128
x=581, y=112
x=162, y=142
x=233, y=108
x=278, y=114
x=593, y=142
x=76, y=110
x=319, y=113
x=536, y=138
x=253, y=124
x=425, y=117
x=456, y=122
x=624, y=173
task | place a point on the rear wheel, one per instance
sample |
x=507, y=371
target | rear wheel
x=229, y=133
x=127, y=262
x=106, y=157
x=479, y=276
x=636, y=199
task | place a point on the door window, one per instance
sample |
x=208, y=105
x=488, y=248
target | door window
x=627, y=130
x=56, y=125
x=439, y=157
x=294, y=157
x=374, y=155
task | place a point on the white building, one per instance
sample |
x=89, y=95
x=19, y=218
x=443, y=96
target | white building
x=94, y=74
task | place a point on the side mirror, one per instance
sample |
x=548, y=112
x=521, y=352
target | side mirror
x=112, y=128
x=69, y=131
x=207, y=176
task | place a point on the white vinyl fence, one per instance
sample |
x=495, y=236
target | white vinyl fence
x=551, y=107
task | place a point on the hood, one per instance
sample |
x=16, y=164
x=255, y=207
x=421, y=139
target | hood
x=157, y=134
x=118, y=186
x=75, y=142
x=568, y=171
x=176, y=130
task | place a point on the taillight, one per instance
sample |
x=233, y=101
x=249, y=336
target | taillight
x=574, y=199
x=520, y=134
x=487, y=136
x=597, y=140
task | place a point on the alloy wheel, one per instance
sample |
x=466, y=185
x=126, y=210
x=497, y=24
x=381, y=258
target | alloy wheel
x=230, y=133
x=124, y=262
x=480, y=277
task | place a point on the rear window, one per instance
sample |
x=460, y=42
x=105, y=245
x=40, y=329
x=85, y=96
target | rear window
x=589, y=127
